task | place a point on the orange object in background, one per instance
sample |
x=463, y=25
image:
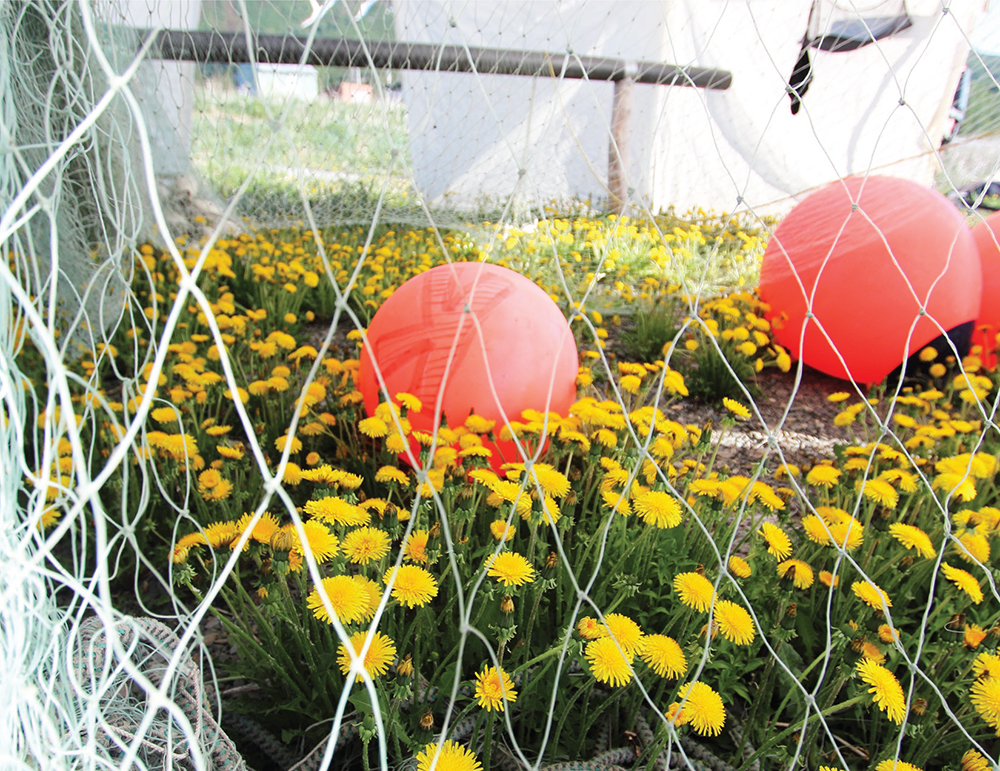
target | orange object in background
x=987, y=236
x=868, y=269
x=492, y=340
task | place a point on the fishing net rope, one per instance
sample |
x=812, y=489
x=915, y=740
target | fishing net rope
x=218, y=552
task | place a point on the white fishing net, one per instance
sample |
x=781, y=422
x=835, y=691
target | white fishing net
x=244, y=525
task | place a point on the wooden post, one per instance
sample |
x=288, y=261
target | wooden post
x=621, y=130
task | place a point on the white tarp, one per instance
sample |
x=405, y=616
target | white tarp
x=167, y=88
x=881, y=108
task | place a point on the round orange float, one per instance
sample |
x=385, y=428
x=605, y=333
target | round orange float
x=478, y=337
x=987, y=236
x=884, y=264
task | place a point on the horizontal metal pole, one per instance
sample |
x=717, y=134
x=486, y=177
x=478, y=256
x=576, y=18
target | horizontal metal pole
x=231, y=48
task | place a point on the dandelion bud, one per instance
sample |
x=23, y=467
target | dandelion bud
x=792, y=609
x=405, y=667
x=552, y=560
x=507, y=604
x=427, y=720
x=282, y=541
x=919, y=706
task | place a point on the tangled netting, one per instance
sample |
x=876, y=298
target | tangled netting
x=230, y=539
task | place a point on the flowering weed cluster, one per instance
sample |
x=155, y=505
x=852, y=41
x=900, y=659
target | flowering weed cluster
x=616, y=577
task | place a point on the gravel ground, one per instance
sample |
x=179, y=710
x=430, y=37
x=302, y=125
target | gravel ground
x=801, y=415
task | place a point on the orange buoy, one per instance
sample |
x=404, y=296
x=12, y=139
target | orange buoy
x=471, y=337
x=883, y=264
x=987, y=236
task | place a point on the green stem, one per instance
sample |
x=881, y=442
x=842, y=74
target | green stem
x=488, y=743
x=715, y=449
x=531, y=620
x=800, y=726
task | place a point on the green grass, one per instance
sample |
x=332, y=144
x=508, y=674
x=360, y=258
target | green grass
x=332, y=149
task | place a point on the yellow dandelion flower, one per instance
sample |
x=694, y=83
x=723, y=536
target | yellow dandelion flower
x=955, y=485
x=885, y=689
x=871, y=594
x=617, y=501
x=381, y=651
x=887, y=634
x=415, y=548
x=913, y=537
x=553, y=482
x=663, y=655
x=816, y=530
x=986, y=665
x=494, y=688
x=778, y=543
x=974, y=761
x=964, y=581
x=974, y=635
x=292, y=474
x=220, y=492
x=392, y=474
x=739, y=567
x=510, y=569
x=366, y=544
x=165, y=415
x=973, y=546
x=904, y=480
x=608, y=662
x=590, y=628
x=839, y=396
x=799, y=571
x=823, y=476
x=871, y=651
x=985, y=696
x=828, y=579
x=229, y=453
x=624, y=630
x=452, y=756
x=501, y=530
x=413, y=586
x=734, y=622
x=347, y=597
x=265, y=528
x=479, y=425
x=631, y=383
x=844, y=530
x=741, y=412
x=658, y=508
x=281, y=441
x=373, y=594
x=606, y=438
x=694, y=590
x=321, y=542
x=897, y=765
x=209, y=479
x=880, y=491
x=475, y=450
x=702, y=707
x=219, y=534
x=373, y=427
x=337, y=511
